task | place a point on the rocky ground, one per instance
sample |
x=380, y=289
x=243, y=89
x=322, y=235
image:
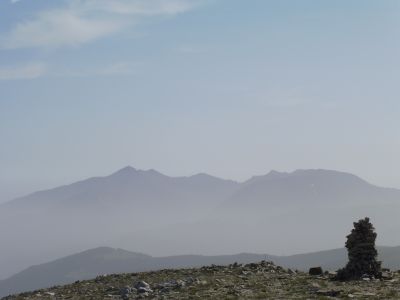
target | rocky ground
x=252, y=281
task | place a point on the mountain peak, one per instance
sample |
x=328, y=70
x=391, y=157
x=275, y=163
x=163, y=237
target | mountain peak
x=273, y=174
x=127, y=169
x=128, y=173
x=329, y=173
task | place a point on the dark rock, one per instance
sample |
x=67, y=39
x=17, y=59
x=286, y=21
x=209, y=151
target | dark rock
x=329, y=293
x=315, y=271
x=362, y=254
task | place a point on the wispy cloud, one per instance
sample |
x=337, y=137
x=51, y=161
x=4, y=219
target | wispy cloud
x=83, y=21
x=57, y=28
x=29, y=71
x=137, y=7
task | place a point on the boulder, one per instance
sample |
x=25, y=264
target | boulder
x=315, y=271
x=142, y=284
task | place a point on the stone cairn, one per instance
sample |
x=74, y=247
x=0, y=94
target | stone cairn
x=362, y=254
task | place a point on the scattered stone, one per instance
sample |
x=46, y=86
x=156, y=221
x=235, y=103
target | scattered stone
x=366, y=278
x=126, y=291
x=143, y=290
x=142, y=284
x=315, y=285
x=329, y=293
x=386, y=276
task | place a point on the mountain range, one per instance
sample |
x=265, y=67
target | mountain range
x=280, y=213
x=105, y=260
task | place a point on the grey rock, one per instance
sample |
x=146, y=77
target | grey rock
x=386, y=276
x=142, y=284
x=143, y=290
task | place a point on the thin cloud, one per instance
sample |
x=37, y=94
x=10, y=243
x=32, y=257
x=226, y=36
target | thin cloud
x=29, y=71
x=83, y=21
x=137, y=7
x=57, y=28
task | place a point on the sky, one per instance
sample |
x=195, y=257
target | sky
x=232, y=88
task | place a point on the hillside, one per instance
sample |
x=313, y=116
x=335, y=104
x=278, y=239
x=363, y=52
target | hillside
x=251, y=281
x=95, y=262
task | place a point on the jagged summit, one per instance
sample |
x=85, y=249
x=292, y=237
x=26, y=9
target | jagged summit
x=129, y=171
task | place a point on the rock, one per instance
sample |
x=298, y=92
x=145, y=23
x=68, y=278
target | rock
x=364, y=294
x=143, y=290
x=386, y=276
x=315, y=271
x=173, y=284
x=329, y=293
x=366, y=279
x=332, y=273
x=362, y=253
x=143, y=295
x=142, y=284
x=315, y=285
x=126, y=290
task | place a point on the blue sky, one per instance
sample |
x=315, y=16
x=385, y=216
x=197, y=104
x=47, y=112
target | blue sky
x=233, y=88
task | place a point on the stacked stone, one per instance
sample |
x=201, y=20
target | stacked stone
x=362, y=254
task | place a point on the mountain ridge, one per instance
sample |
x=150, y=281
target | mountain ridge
x=162, y=215
x=273, y=174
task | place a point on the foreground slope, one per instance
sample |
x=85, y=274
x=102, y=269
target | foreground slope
x=252, y=281
x=99, y=261
x=104, y=260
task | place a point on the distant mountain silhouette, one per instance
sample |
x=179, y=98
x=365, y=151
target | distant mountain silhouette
x=145, y=210
x=84, y=214
x=104, y=260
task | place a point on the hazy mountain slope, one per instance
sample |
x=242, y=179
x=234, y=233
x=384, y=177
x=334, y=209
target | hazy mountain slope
x=307, y=187
x=280, y=213
x=94, y=262
x=85, y=214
